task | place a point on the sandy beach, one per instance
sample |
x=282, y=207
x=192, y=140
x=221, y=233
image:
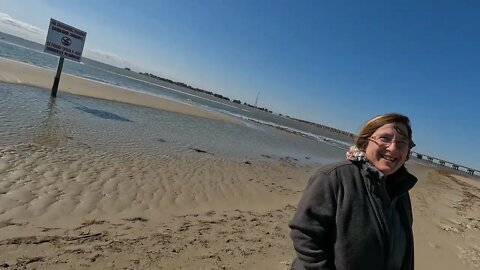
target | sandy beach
x=64, y=207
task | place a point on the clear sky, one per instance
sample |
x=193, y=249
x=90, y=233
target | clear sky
x=337, y=63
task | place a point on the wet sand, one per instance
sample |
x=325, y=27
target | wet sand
x=64, y=207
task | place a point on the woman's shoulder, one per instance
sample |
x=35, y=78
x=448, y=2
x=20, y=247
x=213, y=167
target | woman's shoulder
x=337, y=174
x=339, y=166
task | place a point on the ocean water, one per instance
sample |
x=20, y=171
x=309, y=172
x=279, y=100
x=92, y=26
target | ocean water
x=29, y=115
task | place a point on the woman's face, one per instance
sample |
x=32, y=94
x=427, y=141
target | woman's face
x=387, y=149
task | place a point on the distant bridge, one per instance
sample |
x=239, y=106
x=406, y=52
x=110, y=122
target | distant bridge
x=445, y=163
x=433, y=160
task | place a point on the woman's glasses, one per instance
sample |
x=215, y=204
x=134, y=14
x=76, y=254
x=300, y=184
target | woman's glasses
x=384, y=141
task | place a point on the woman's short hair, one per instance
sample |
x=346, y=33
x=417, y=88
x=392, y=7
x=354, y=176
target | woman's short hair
x=362, y=139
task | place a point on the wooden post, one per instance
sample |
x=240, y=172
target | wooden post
x=57, y=77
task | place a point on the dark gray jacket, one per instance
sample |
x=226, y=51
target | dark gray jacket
x=339, y=222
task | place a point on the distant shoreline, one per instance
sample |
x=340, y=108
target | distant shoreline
x=21, y=73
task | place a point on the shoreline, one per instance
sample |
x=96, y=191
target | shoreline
x=21, y=73
x=15, y=72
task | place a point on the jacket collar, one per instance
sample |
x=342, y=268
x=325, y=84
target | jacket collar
x=374, y=177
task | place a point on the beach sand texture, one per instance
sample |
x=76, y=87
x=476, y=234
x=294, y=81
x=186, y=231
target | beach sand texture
x=64, y=207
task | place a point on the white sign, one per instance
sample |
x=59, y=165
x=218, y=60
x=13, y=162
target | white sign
x=65, y=41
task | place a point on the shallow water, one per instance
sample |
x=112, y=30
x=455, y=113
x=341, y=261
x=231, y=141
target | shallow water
x=140, y=83
x=29, y=115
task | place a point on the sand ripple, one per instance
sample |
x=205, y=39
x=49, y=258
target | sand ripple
x=62, y=207
x=54, y=184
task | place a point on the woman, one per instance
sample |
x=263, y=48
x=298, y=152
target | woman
x=356, y=214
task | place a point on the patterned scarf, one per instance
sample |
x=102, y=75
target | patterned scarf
x=355, y=154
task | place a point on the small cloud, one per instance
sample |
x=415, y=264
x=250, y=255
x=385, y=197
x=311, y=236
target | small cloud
x=18, y=28
x=15, y=27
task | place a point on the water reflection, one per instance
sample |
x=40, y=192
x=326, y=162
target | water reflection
x=49, y=131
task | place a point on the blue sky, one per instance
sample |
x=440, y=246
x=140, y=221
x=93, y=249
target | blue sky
x=333, y=62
